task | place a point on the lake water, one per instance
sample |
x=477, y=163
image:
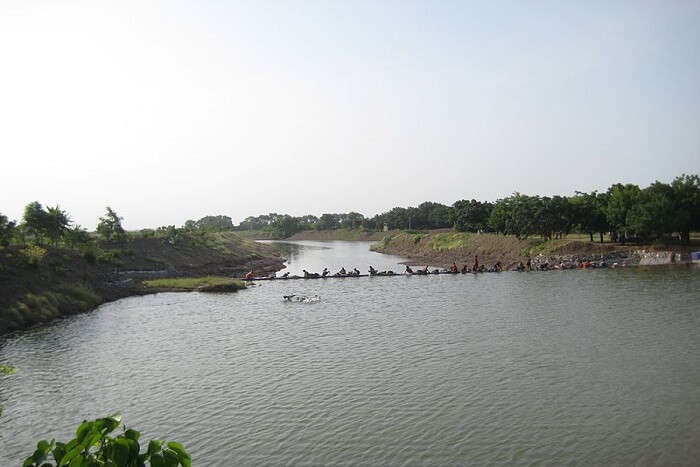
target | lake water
x=582, y=367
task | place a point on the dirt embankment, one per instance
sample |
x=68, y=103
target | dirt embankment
x=441, y=248
x=65, y=282
x=340, y=234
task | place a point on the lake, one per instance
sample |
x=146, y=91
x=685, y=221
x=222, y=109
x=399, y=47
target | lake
x=579, y=367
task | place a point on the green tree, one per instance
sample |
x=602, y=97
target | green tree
x=93, y=446
x=351, y=220
x=110, y=226
x=57, y=223
x=686, y=197
x=514, y=215
x=285, y=226
x=471, y=216
x=653, y=214
x=328, y=222
x=621, y=199
x=215, y=223
x=76, y=236
x=589, y=213
x=7, y=230
x=432, y=215
x=36, y=221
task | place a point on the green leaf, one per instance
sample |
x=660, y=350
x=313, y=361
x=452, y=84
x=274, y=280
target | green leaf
x=132, y=434
x=121, y=451
x=182, y=454
x=154, y=446
x=171, y=459
x=83, y=430
x=157, y=460
x=59, y=451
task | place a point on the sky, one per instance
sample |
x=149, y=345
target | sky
x=168, y=111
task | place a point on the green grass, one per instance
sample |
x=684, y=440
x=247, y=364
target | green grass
x=32, y=308
x=195, y=283
x=449, y=241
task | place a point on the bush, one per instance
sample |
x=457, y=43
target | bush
x=92, y=446
x=34, y=254
x=90, y=255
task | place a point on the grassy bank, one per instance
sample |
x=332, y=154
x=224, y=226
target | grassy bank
x=33, y=308
x=202, y=284
x=41, y=283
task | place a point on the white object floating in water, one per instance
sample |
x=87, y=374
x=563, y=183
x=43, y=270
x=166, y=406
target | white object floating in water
x=301, y=299
x=314, y=299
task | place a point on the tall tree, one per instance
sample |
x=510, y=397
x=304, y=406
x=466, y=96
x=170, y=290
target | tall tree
x=57, y=223
x=621, y=199
x=686, y=197
x=589, y=213
x=471, y=216
x=7, y=230
x=653, y=214
x=35, y=221
x=110, y=226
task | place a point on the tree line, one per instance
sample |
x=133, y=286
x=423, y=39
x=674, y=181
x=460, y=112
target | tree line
x=53, y=226
x=625, y=211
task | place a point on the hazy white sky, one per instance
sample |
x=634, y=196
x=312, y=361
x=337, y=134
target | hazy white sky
x=169, y=111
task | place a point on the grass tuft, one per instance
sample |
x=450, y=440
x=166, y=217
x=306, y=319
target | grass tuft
x=214, y=283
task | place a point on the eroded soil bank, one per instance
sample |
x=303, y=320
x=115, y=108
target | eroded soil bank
x=442, y=248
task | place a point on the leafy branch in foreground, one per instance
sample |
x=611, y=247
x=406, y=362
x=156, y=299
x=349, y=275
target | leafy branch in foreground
x=93, y=447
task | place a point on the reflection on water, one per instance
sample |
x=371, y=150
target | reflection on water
x=314, y=256
x=578, y=367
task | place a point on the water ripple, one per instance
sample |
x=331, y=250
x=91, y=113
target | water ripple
x=499, y=369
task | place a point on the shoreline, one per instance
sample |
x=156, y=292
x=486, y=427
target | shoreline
x=66, y=282
x=442, y=248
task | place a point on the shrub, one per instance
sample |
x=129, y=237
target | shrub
x=92, y=446
x=34, y=254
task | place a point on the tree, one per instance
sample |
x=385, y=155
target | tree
x=514, y=215
x=653, y=214
x=7, y=230
x=471, y=216
x=110, y=226
x=215, y=223
x=57, y=223
x=307, y=222
x=589, y=212
x=621, y=199
x=328, y=222
x=285, y=226
x=35, y=221
x=77, y=236
x=93, y=446
x=432, y=215
x=351, y=220
x=686, y=199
